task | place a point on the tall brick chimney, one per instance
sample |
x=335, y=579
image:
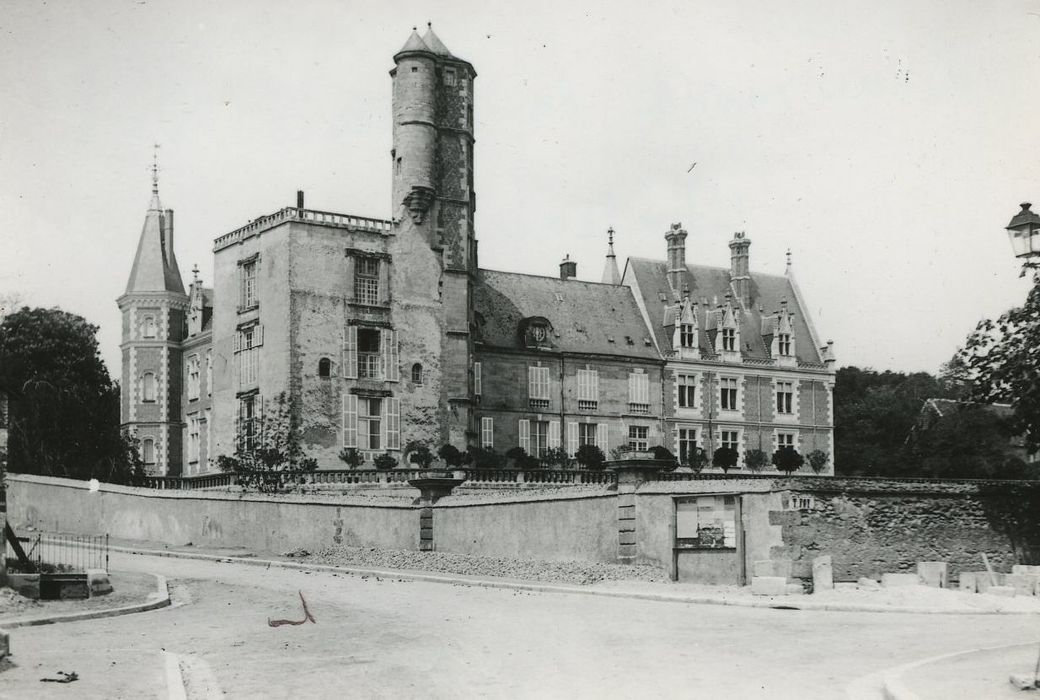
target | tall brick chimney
x=568, y=268
x=739, y=276
x=676, y=238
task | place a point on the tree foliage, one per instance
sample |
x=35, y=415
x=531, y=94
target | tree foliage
x=756, y=460
x=590, y=457
x=725, y=458
x=1002, y=362
x=63, y=406
x=787, y=459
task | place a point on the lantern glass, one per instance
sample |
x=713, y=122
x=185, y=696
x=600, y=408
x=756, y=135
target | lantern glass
x=1025, y=241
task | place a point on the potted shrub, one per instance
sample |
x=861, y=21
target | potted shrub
x=697, y=459
x=664, y=454
x=522, y=460
x=353, y=457
x=756, y=460
x=590, y=457
x=385, y=461
x=818, y=460
x=455, y=459
x=419, y=455
x=483, y=458
x=787, y=459
x=557, y=458
x=725, y=458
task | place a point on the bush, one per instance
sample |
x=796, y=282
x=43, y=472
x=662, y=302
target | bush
x=522, y=460
x=818, y=460
x=352, y=456
x=787, y=459
x=756, y=460
x=557, y=457
x=385, y=461
x=483, y=458
x=419, y=455
x=453, y=457
x=590, y=457
x=725, y=458
x=697, y=459
x=661, y=452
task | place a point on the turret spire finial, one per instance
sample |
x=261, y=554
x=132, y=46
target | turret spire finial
x=195, y=272
x=610, y=242
x=788, y=258
x=155, y=169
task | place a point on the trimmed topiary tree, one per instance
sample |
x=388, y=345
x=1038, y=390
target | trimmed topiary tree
x=419, y=455
x=756, y=460
x=385, y=461
x=787, y=459
x=453, y=457
x=725, y=458
x=818, y=460
x=483, y=458
x=557, y=458
x=590, y=457
x=697, y=459
x=352, y=456
x=522, y=460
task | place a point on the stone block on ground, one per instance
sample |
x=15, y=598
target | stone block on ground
x=847, y=586
x=896, y=580
x=1002, y=591
x=1023, y=681
x=98, y=582
x=966, y=582
x=768, y=585
x=794, y=589
x=868, y=584
x=772, y=567
x=1024, y=584
x=933, y=573
x=822, y=574
x=983, y=582
x=1025, y=569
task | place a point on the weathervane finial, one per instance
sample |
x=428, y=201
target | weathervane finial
x=155, y=169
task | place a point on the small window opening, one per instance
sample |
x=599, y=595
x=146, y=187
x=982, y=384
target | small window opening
x=324, y=367
x=417, y=377
x=415, y=69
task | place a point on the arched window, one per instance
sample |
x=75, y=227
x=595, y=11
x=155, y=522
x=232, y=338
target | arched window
x=417, y=373
x=148, y=451
x=149, y=327
x=324, y=367
x=148, y=387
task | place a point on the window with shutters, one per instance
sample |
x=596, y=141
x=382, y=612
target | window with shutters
x=369, y=429
x=366, y=281
x=639, y=392
x=194, y=376
x=686, y=387
x=539, y=438
x=369, y=359
x=638, y=437
x=538, y=386
x=247, y=296
x=587, y=433
x=193, y=439
x=487, y=433
x=728, y=394
x=249, y=341
x=588, y=390
x=785, y=398
x=392, y=412
x=249, y=422
x=687, y=444
x=148, y=387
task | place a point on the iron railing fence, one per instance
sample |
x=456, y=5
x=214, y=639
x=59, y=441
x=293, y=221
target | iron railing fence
x=62, y=552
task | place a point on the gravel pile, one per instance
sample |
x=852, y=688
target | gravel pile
x=572, y=572
x=12, y=601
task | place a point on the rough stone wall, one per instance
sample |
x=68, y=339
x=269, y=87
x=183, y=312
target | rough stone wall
x=891, y=527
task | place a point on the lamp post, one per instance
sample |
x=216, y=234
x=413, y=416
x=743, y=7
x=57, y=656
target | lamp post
x=1024, y=233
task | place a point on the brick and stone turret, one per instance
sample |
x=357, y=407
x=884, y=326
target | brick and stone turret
x=433, y=246
x=153, y=307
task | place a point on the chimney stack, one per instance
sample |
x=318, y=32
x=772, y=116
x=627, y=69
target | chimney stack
x=568, y=268
x=676, y=238
x=299, y=199
x=739, y=276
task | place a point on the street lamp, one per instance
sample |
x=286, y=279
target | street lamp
x=1024, y=232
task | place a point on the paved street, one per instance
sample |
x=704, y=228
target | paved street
x=398, y=639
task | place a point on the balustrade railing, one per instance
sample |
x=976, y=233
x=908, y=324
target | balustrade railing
x=325, y=218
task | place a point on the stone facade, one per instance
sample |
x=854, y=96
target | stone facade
x=380, y=334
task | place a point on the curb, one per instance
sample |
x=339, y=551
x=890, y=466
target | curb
x=161, y=599
x=894, y=687
x=785, y=603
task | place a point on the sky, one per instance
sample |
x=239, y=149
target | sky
x=886, y=144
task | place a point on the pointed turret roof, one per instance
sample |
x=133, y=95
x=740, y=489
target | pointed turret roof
x=434, y=42
x=610, y=268
x=155, y=265
x=414, y=43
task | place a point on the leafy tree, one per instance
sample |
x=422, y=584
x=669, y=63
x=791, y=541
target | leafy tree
x=352, y=456
x=725, y=458
x=818, y=460
x=697, y=459
x=590, y=457
x=419, y=454
x=557, y=457
x=276, y=458
x=787, y=459
x=453, y=456
x=522, y=460
x=385, y=461
x=486, y=459
x=63, y=406
x=1003, y=362
x=756, y=460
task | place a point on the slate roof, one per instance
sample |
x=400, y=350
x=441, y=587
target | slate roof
x=712, y=284
x=584, y=315
x=155, y=265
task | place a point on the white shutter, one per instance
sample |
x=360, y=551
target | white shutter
x=644, y=388
x=391, y=369
x=532, y=382
x=633, y=389
x=554, y=434
x=350, y=420
x=237, y=341
x=258, y=334
x=392, y=421
x=487, y=433
x=350, y=353
x=601, y=437
x=525, y=434
x=594, y=395
x=476, y=379
x=572, y=438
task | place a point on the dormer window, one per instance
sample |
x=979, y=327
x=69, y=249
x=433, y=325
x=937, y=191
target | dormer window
x=729, y=339
x=783, y=344
x=687, y=335
x=536, y=332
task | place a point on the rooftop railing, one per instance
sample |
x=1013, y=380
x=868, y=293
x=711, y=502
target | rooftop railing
x=313, y=216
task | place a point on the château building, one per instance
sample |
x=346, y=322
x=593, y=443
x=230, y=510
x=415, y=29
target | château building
x=376, y=334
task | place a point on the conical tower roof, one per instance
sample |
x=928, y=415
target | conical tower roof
x=155, y=265
x=434, y=42
x=610, y=268
x=414, y=43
